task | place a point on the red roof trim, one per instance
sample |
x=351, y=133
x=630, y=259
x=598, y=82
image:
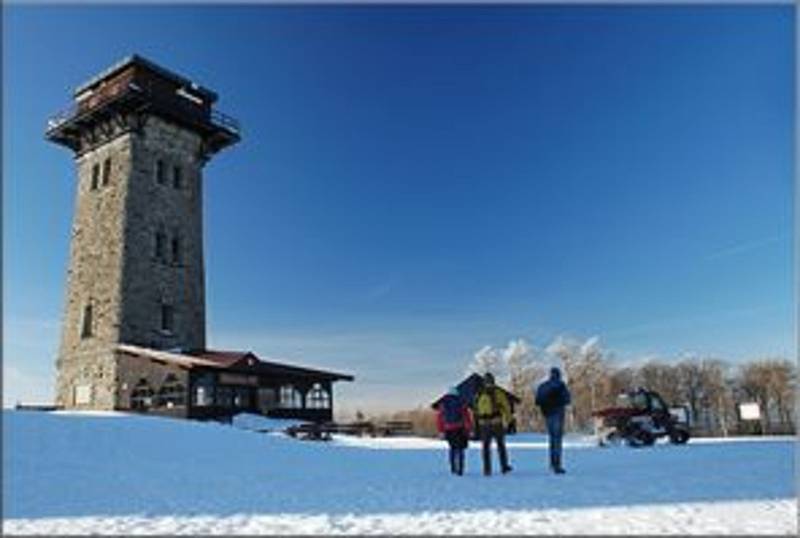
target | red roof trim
x=239, y=360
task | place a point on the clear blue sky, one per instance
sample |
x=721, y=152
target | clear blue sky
x=417, y=182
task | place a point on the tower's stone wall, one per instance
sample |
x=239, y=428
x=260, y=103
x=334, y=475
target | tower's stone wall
x=152, y=208
x=141, y=135
x=93, y=277
x=114, y=266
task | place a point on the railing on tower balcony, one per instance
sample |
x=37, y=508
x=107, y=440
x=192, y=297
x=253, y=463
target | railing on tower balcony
x=226, y=122
x=215, y=117
x=61, y=117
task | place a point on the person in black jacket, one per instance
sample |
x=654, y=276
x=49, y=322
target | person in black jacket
x=552, y=397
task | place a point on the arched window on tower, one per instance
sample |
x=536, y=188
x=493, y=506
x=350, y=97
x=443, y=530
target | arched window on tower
x=106, y=171
x=161, y=175
x=161, y=245
x=176, y=249
x=167, y=318
x=177, y=177
x=86, y=322
x=95, y=176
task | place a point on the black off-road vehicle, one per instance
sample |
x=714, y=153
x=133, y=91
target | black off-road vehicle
x=639, y=419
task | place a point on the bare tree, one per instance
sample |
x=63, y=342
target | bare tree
x=487, y=359
x=524, y=368
x=585, y=370
x=772, y=384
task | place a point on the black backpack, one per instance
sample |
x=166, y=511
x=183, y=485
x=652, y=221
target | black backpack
x=452, y=410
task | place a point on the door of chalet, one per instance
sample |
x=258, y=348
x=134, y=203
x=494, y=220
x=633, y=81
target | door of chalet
x=267, y=400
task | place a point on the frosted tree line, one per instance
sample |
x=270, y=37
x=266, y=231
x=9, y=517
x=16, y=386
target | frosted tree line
x=710, y=387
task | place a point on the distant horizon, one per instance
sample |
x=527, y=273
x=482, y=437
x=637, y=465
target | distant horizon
x=417, y=182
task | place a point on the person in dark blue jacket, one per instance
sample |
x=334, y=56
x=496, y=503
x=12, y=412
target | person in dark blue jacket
x=552, y=397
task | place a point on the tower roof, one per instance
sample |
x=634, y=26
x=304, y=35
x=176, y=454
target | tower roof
x=137, y=60
x=117, y=98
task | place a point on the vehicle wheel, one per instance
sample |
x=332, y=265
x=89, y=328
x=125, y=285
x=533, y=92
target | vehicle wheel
x=641, y=438
x=678, y=437
x=612, y=439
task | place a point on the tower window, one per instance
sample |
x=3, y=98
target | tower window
x=177, y=179
x=161, y=240
x=176, y=250
x=167, y=318
x=86, y=323
x=160, y=173
x=95, y=176
x=106, y=171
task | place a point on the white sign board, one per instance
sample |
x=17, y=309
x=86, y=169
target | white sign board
x=83, y=394
x=749, y=411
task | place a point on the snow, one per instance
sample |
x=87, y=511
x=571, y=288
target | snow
x=83, y=473
x=520, y=441
x=253, y=422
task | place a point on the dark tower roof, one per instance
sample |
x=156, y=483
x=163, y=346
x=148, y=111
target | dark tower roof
x=136, y=87
x=139, y=61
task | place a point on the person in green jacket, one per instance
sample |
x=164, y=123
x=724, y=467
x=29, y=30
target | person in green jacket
x=494, y=415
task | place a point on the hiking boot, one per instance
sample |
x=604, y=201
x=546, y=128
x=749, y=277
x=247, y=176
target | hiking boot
x=559, y=470
x=507, y=469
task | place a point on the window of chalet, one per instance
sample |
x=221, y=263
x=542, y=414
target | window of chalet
x=203, y=394
x=172, y=392
x=142, y=395
x=241, y=398
x=224, y=396
x=318, y=398
x=106, y=171
x=290, y=398
x=95, y=176
x=267, y=399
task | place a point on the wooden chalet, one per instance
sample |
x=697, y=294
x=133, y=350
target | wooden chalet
x=211, y=384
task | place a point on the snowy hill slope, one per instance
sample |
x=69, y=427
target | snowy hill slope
x=116, y=473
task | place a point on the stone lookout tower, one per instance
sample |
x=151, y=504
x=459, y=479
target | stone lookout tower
x=141, y=135
x=134, y=335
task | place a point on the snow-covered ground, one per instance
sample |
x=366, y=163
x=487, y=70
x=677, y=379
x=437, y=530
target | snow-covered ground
x=112, y=473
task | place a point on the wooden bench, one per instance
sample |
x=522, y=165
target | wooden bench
x=37, y=407
x=323, y=431
x=310, y=431
x=396, y=427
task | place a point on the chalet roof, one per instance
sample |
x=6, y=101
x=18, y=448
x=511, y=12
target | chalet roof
x=135, y=59
x=470, y=386
x=229, y=360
